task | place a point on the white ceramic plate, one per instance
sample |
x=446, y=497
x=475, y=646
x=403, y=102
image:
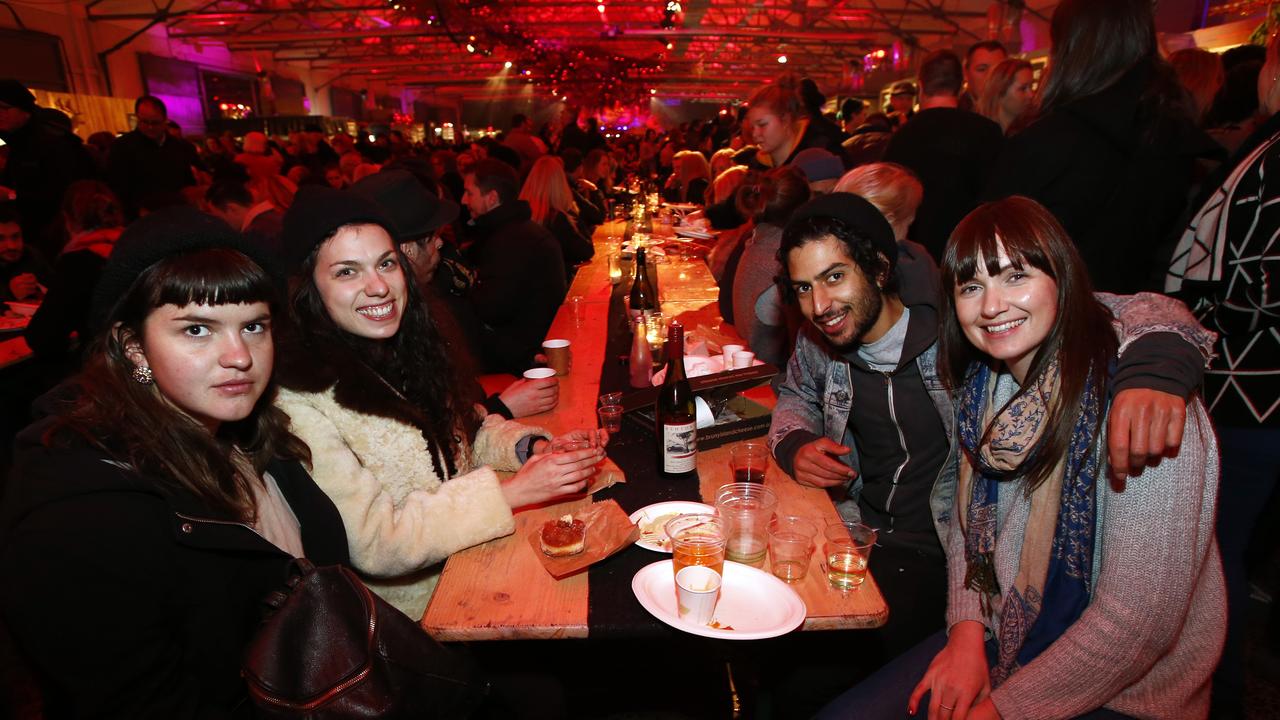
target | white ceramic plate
x=658, y=541
x=692, y=233
x=754, y=603
x=23, y=308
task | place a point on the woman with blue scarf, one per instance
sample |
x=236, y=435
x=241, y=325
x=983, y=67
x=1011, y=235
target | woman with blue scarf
x=1067, y=598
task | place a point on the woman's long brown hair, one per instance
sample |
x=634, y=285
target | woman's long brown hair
x=1082, y=339
x=134, y=424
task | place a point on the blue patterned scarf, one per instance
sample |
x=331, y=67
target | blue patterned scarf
x=1055, y=569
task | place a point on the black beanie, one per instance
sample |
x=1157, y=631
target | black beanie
x=161, y=235
x=866, y=222
x=317, y=211
x=15, y=94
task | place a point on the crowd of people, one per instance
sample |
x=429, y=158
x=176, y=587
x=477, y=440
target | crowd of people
x=261, y=348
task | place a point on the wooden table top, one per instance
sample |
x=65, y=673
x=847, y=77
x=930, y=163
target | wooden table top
x=499, y=590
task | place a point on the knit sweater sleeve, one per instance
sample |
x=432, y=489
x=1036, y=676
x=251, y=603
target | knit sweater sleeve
x=962, y=602
x=1156, y=538
x=388, y=539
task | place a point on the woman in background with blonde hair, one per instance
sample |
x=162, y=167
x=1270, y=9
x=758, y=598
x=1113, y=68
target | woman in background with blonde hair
x=690, y=179
x=892, y=188
x=551, y=203
x=1009, y=93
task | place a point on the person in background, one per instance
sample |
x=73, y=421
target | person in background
x=759, y=315
x=521, y=139
x=147, y=161
x=167, y=479
x=893, y=189
x=44, y=158
x=369, y=386
x=823, y=131
x=262, y=221
x=780, y=124
x=1234, y=114
x=587, y=194
x=520, y=278
x=979, y=60
x=1008, y=94
x=868, y=141
x=1221, y=268
x=1099, y=603
x=820, y=168
x=94, y=220
x=902, y=103
x=689, y=182
x=23, y=273
x=721, y=160
x=951, y=150
x=551, y=205
x=1201, y=74
x=853, y=112
x=1113, y=132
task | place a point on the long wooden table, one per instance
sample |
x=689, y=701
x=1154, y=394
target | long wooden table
x=499, y=590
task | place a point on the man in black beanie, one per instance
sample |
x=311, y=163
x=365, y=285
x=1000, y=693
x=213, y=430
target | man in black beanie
x=44, y=159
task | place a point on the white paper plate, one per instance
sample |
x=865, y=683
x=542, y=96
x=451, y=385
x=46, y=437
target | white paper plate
x=694, y=233
x=752, y=602
x=682, y=207
x=651, y=512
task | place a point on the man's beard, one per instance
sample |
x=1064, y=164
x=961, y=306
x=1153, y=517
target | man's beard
x=863, y=313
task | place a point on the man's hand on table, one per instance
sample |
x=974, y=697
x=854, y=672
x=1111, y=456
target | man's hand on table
x=24, y=286
x=1144, y=426
x=818, y=465
x=526, y=397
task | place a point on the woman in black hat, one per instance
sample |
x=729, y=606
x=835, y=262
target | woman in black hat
x=158, y=502
x=370, y=388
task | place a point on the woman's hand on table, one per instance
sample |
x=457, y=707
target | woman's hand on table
x=958, y=678
x=526, y=397
x=593, y=438
x=551, y=475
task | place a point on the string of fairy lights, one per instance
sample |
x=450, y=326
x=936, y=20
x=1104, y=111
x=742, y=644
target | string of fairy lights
x=586, y=75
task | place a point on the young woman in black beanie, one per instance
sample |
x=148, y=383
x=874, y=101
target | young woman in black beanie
x=162, y=496
x=370, y=387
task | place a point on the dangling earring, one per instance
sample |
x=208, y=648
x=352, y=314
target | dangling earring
x=142, y=375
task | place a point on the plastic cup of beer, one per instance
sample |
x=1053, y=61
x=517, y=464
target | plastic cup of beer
x=746, y=509
x=558, y=357
x=696, y=540
x=697, y=590
x=610, y=398
x=847, y=550
x=610, y=418
x=749, y=461
x=791, y=547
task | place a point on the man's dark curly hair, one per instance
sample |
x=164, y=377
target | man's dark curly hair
x=870, y=261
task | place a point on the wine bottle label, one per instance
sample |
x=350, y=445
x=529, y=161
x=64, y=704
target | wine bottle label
x=679, y=448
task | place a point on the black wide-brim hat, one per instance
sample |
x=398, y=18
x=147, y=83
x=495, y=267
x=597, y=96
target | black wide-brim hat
x=160, y=235
x=415, y=211
x=317, y=211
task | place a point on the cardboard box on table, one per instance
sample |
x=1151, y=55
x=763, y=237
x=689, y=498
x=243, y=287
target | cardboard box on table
x=737, y=417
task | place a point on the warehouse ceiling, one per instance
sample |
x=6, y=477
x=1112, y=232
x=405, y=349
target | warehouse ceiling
x=600, y=52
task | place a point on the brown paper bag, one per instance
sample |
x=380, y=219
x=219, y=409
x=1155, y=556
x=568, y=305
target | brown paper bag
x=608, y=531
x=607, y=474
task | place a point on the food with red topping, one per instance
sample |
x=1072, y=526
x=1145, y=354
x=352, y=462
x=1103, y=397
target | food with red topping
x=564, y=536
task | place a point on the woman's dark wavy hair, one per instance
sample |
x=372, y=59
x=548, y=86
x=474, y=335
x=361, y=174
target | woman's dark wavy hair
x=134, y=424
x=771, y=197
x=1031, y=236
x=1094, y=43
x=413, y=361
